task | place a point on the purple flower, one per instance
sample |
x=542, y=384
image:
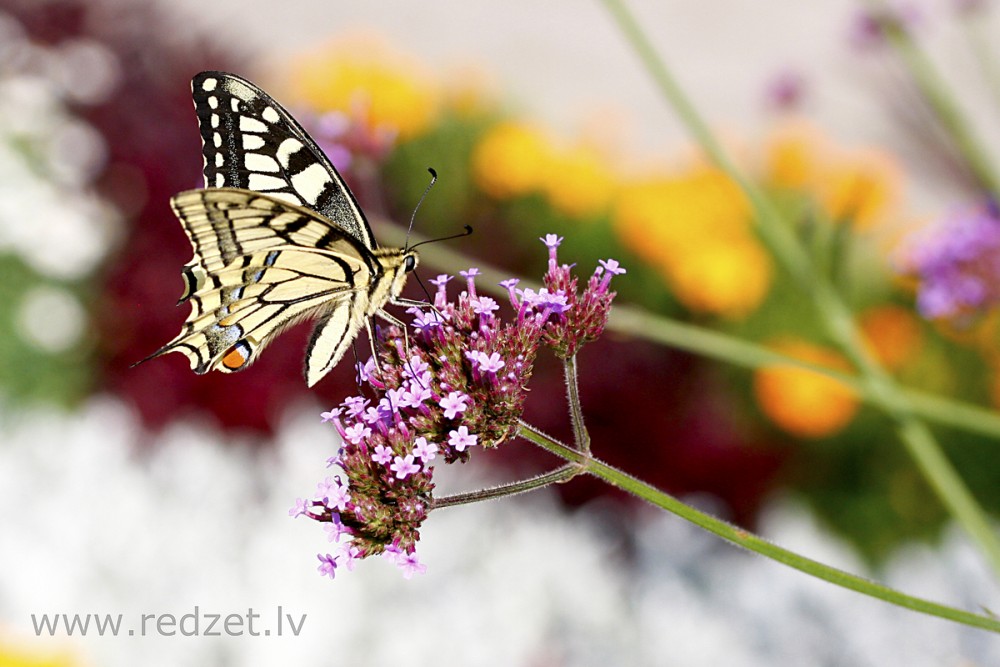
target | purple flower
x=958, y=264
x=327, y=417
x=415, y=367
x=302, y=506
x=423, y=321
x=326, y=487
x=551, y=241
x=355, y=405
x=453, y=403
x=327, y=565
x=786, y=90
x=441, y=280
x=460, y=438
x=410, y=565
x=484, y=305
x=382, y=454
x=423, y=450
x=357, y=433
x=338, y=498
x=610, y=267
x=486, y=363
x=544, y=300
x=351, y=555
x=404, y=466
x=335, y=528
x=365, y=371
x=470, y=280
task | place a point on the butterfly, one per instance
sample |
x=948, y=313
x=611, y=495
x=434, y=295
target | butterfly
x=277, y=238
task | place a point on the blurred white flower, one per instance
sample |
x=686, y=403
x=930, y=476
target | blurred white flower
x=101, y=517
x=51, y=319
x=49, y=157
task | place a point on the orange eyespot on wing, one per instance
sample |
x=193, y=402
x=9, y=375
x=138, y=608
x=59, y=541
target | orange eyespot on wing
x=237, y=357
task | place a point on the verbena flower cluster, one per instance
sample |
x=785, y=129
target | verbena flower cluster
x=958, y=265
x=458, y=380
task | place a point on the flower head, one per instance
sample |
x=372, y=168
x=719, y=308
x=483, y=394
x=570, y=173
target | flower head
x=451, y=387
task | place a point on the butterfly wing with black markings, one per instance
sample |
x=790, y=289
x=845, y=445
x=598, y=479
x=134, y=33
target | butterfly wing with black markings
x=250, y=141
x=262, y=264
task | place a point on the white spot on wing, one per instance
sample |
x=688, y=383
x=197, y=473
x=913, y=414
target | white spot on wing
x=218, y=159
x=248, y=124
x=264, y=182
x=209, y=84
x=215, y=120
x=288, y=148
x=258, y=162
x=234, y=104
x=213, y=102
x=220, y=180
x=270, y=115
x=288, y=197
x=311, y=181
x=252, y=142
x=217, y=138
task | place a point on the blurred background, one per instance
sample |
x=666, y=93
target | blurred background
x=153, y=490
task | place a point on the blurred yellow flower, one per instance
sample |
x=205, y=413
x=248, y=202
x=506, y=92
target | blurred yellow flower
x=728, y=279
x=31, y=654
x=803, y=402
x=893, y=332
x=863, y=186
x=794, y=154
x=364, y=78
x=578, y=182
x=695, y=228
x=510, y=160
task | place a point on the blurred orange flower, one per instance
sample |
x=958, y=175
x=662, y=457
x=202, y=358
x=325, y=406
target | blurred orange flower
x=893, y=332
x=803, y=402
x=860, y=185
x=366, y=79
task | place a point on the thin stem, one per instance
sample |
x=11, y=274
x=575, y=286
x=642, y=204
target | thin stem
x=749, y=541
x=934, y=90
x=834, y=313
x=580, y=435
x=561, y=474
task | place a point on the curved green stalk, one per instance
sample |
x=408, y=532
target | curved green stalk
x=834, y=314
x=752, y=542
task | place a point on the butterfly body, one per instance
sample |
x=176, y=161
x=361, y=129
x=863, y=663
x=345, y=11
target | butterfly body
x=277, y=238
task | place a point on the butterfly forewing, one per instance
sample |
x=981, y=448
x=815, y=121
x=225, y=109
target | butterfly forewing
x=250, y=141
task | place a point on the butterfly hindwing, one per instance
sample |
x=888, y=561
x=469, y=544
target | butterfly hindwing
x=260, y=265
x=250, y=141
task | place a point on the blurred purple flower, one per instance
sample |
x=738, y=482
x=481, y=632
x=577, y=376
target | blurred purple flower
x=958, y=264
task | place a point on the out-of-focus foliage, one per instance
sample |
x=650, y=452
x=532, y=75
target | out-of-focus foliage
x=684, y=230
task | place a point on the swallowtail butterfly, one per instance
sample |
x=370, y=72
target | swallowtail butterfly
x=277, y=238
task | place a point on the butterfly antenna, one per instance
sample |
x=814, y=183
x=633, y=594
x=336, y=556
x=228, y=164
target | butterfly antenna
x=468, y=230
x=422, y=286
x=434, y=177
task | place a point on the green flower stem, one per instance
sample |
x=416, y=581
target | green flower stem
x=748, y=540
x=834, y=313
x=581, y=437
x=560, y=474
x=640, y=323
x=934, y=90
